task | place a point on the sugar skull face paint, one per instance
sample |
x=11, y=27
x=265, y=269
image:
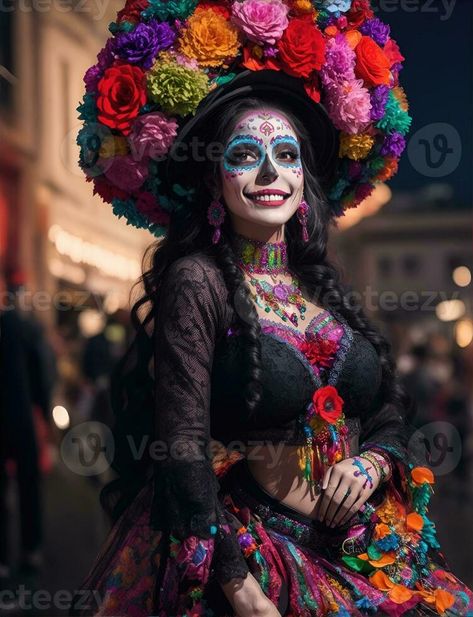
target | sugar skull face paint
x=261, y=169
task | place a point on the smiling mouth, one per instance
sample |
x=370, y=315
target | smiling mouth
x=268, y=198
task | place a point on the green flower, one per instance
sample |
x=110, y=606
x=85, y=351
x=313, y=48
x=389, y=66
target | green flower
x=169, y=9
x=88, y=109
x=126, y=208
x=394, y=119
x=177, y=88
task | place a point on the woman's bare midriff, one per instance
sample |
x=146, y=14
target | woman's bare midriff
x=276, y=469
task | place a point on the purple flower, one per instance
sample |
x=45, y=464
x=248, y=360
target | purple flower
x=105, y=58
x=377, y=30
x=379, y=99
x=393, y=145
x=141, y=45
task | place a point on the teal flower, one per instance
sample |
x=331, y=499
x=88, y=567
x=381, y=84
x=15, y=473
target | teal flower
x=88, y=109
x=169, y=9
x=394, y=119
x=126, y=208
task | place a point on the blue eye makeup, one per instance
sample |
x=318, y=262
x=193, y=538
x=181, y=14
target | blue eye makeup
x=239, y=149
x=286, y=144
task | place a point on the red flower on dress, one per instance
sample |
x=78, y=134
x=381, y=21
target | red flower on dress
x=121, y=94
x=328, y=404
x=320, y=351
x=301, y=48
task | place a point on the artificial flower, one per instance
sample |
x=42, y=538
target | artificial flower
x=209, y=38
x=125, y=172
x=355, y=146
x=319, y=351
x=377, y=30
x=395, y=118
x=147, y=205
x=393, y=145
x=254, y=59
x=141, y=45
x=105, y=58
x=359, y=12
x=333, y=6
x=301, y=48
x=392, y=53
x=390, y=167
x=194, y=556
x=113, y=145
x=107, y=191
x=328, y=404
x=121, y=93
x=263, y=21
x=223, y=8
x=372, y=65
x=165, y=10
x=176, y=88
x=131, y=11
x=152, y=134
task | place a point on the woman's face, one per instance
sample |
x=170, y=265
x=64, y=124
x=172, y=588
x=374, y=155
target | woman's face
x=262, y=156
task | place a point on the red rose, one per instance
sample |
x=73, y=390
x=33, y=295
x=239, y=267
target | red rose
x=359, y=12
x=131, y=11
x=392, y=52
x=320, y=351
x=328, y=404
x=121, y=93
x=301, y=48
x=372, y=65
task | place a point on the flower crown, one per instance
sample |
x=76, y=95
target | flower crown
x=165, y=56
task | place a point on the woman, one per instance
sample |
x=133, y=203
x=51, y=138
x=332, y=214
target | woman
x=313, y=506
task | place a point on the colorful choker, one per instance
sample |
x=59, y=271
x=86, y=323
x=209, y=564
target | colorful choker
x=258, y=257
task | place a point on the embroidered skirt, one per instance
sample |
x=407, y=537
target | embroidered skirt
x=378, y=564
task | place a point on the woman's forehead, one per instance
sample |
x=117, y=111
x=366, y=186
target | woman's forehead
x=265, y=122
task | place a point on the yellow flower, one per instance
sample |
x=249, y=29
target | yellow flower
x=401, y=97
x=209, y=38
x=355, y=147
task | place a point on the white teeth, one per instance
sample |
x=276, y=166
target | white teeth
x=267, y=197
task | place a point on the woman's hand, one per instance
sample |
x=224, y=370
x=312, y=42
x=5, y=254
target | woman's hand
x=248, y=599
x=346, y=486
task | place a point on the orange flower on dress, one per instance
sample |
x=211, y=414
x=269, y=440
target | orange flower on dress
x=420, y=475
x=209, y=38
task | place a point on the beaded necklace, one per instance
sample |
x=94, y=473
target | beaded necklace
x=259, y=257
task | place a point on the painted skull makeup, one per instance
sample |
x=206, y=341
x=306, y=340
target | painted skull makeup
x=263, y=154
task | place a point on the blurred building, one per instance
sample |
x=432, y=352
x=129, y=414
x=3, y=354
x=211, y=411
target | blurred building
x=72, y=248
x=411, y=262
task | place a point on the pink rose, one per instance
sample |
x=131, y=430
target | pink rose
x=124, y=172
x=152, y=135
x=263, y=21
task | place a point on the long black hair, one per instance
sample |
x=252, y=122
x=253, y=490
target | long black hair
x=132, y=382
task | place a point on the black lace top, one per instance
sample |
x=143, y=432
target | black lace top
x=199, y=381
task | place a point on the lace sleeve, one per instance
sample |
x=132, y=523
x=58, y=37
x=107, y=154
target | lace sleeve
x=383, y=428
x=185, y=501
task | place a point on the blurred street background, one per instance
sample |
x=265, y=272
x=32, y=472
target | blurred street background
x=69, y=266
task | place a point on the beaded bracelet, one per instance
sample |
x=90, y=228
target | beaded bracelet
x=384, y=461
x=369, y=456
x=379, y=463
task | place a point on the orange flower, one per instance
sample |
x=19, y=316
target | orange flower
x=414, y=521
x=390, y=168
x=397, y=593
x=420, y=475
x=252, y=59
x=442, y=599
x=353, y=37
x=372, y=65
x=209, y=38
x=381, y=531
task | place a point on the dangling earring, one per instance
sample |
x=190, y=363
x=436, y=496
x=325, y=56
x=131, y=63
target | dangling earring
x=215, y=216
x=302, y=216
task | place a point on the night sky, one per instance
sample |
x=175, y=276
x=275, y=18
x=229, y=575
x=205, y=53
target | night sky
x=438, y=79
